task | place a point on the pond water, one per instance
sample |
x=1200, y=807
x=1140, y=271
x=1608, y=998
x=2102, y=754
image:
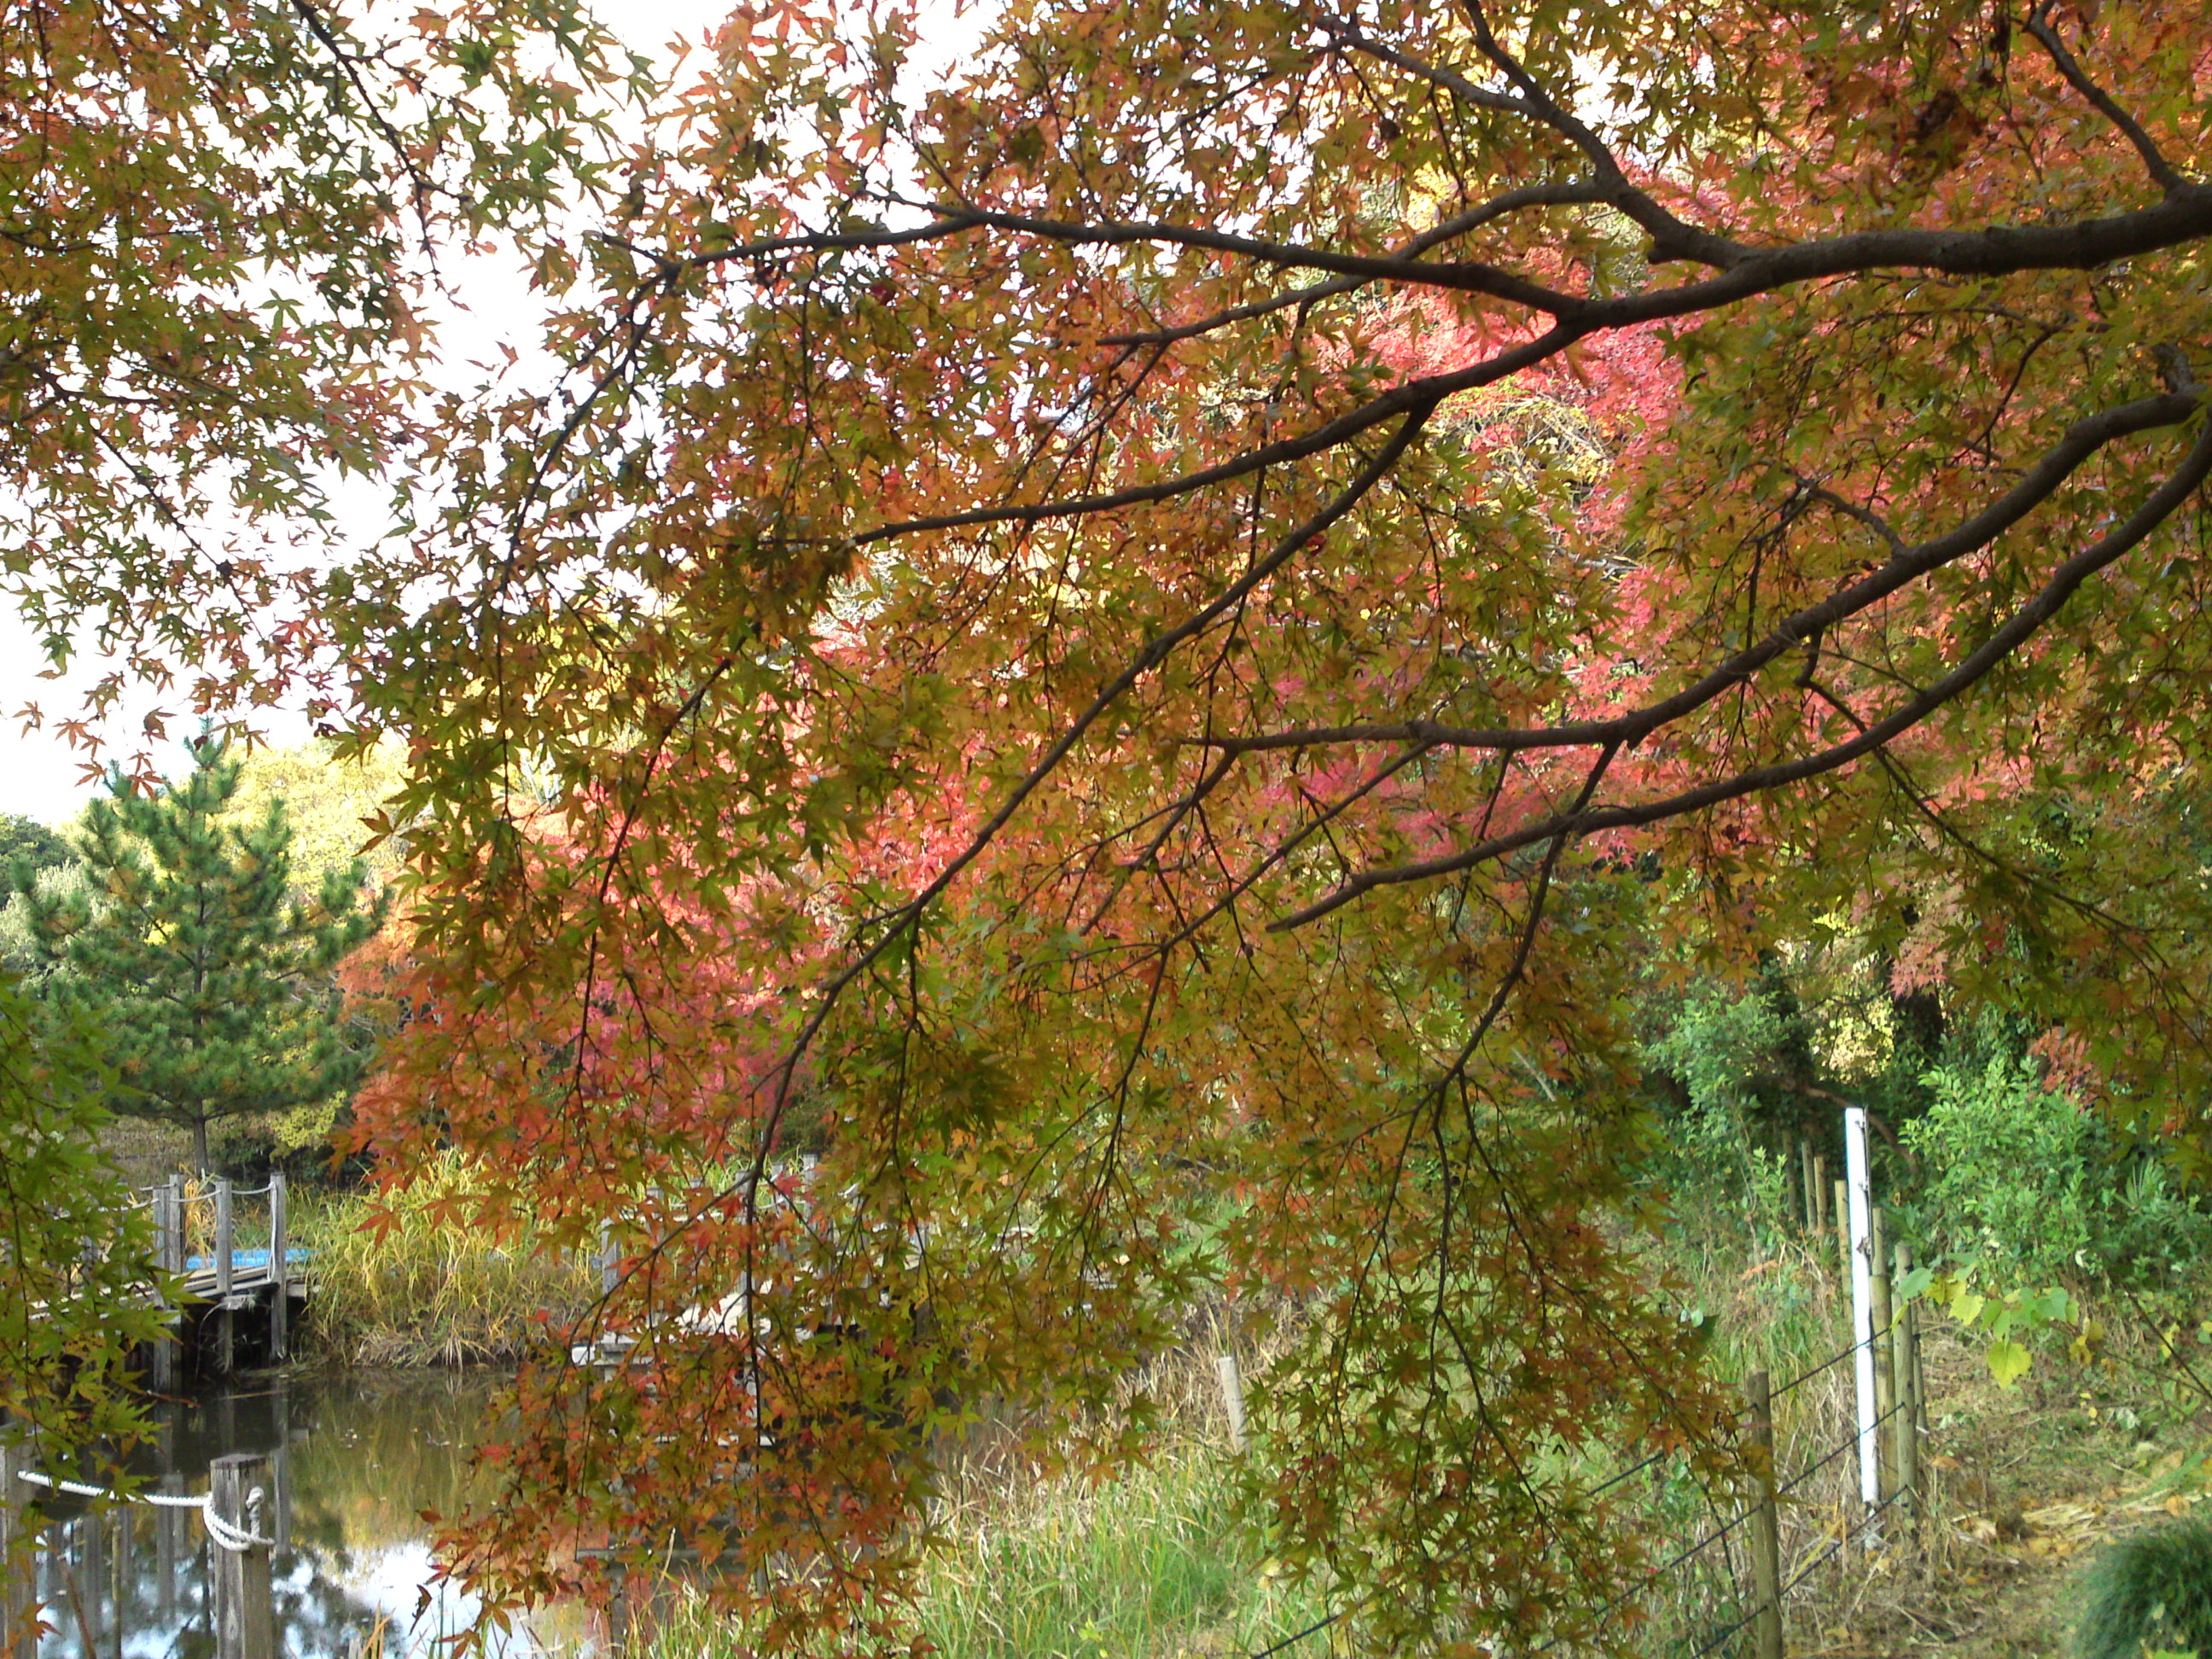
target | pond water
x=355, y=1459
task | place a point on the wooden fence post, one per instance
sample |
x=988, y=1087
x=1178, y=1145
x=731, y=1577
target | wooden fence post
x=618, y=1607
x=280, y=1280
x=224, y=1271
x=119, y=1569
x=1904, y=1365
x=1885, y=1378
x=280, y=1464
x=244, y=1608
x=1842, y=1189
x=168, y=1545
x=19, y=1587
x=161, y=1369
x=1765, y=1526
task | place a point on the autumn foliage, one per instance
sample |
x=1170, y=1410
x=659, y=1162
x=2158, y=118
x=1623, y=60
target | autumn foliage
x=1174, y=615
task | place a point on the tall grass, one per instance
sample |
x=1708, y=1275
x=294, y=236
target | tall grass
x=429, y=1289
x=1152, y=1565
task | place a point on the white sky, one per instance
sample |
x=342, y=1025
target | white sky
x=41, y=775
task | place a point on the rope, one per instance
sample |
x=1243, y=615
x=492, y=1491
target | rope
x=234, y=1539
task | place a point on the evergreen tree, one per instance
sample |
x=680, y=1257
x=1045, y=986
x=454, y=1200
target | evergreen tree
x=27, y=838
x=214, y=989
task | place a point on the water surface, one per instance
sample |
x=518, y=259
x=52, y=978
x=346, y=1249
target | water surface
x=354, y=1459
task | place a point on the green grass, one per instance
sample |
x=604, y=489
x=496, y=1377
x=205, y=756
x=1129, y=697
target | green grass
x=1152, y=1565
x=430, y=1289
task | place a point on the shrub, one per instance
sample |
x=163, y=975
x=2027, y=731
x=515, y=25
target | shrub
x=2151, y=1594
x=2022, y=1175
x=1723, y=1053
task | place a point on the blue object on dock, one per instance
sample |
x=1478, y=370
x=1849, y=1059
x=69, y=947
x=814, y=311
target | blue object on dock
x=245, y=1260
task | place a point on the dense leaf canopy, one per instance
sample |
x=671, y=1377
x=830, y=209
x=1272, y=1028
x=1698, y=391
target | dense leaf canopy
x=1186, y=610
x=223, y=221
x=1172, y=616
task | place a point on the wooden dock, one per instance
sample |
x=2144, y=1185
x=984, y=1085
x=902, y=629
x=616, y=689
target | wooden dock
x=222, y=1281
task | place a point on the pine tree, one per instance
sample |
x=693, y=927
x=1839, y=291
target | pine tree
x=214, y=985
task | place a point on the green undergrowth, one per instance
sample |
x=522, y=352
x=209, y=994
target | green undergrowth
x=428, y=1289
x=1149, y=1565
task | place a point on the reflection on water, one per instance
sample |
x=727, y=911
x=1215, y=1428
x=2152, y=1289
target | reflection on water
x=354, y=1462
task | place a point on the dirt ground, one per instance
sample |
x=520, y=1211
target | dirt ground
x=2027, y=1485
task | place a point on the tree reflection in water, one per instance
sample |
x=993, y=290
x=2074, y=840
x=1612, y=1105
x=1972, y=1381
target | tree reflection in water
x=355, y=1460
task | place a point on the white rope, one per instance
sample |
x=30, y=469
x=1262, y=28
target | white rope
x=237, y=1539
x=76, y=1486
x=234, y=1539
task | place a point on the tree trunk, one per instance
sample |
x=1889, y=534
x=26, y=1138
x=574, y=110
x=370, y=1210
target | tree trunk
x=199, y=1145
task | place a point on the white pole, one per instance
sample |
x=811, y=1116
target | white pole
x=1860, y=1193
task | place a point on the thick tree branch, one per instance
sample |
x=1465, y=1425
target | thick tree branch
x=1565, y=193
x=2016, y=629
x=1907, y=566
x=2184, y=216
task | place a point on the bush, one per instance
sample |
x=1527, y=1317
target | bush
x=1722, y=1051
x=2025, y=1176
x=2151, y=1594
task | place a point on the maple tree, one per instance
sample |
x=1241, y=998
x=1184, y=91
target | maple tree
x=1172, y=616
x=229, y=225
x=1164, y=618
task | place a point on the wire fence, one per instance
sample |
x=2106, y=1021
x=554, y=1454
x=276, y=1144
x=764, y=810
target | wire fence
x=1743, y=1601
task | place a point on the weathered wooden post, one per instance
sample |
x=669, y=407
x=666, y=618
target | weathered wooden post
x=280, y=1309
x=1766, y=1525
x=1842, y=1219
x=19, y=1534
x=168, y=1545
x=118, y=1569
x=244, y=1608
x=161, y=1357
x=280, y=1467
x=1821, y=1190
x=91, y=1569
x=607, y=1257
x=1904, y=1369
x=224, y=1274
x=617, y=1606
x=1885, y=1378
x=1232, y=1398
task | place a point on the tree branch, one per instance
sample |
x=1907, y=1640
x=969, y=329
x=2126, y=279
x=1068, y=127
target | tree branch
x=2082, y=440
x=2016, y=629
x=2162, y=172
